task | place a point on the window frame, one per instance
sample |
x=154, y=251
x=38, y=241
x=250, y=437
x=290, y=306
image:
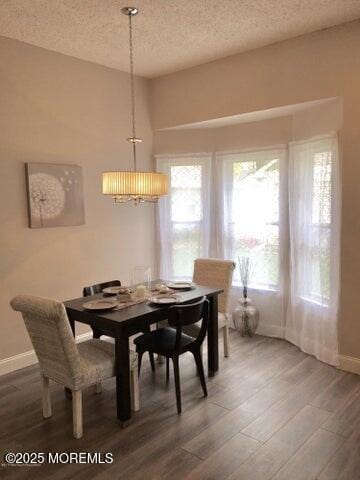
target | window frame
x=228, y=159
x=309, y=295
x=164, y=164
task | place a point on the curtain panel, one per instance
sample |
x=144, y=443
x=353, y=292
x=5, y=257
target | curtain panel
x=183, y=219
x=314, y=220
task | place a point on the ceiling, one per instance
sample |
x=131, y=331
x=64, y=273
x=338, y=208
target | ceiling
x=170, y=35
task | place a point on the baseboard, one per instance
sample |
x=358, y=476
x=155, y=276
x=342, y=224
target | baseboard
x=350, y=364
x=11, y=364
x=270, y=330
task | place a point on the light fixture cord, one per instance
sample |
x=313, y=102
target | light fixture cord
x=132, y=86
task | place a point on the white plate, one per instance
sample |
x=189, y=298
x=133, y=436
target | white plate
x=163, y=289
x=113, y=290
x=103, y=304
x=181, y=285
x=164, y=300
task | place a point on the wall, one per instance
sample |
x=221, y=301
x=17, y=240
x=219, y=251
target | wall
x=319, y=120
x=320, y=65
x=57, y=109
x=247, y=135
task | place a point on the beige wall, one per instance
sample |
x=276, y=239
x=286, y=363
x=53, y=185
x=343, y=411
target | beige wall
x=55, y=108
x=248, y=135
x=321, y=65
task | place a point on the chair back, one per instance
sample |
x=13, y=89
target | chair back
x=187, y=314
x=99, y=287
x=49, y=329
x=216, y=274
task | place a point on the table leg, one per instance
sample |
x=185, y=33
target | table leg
x=213, y=337
x=122, y=366
x=96, y=332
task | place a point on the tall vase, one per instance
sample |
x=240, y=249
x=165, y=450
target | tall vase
x=246, y=317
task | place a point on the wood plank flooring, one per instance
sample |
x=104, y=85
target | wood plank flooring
x=272, y=413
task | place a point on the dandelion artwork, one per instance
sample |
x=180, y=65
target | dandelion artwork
x=55, y=195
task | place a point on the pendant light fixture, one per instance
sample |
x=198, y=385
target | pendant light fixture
x=136, y=186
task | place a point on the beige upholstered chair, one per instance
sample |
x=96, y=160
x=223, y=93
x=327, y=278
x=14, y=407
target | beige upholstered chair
x=62, y=360
x=216, y=274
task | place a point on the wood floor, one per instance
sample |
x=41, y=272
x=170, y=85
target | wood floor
x=272, y=413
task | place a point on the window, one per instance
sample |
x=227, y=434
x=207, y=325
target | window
x=311, y=218
x=184, y=215
x=252, y=206
x=321, y=228
x=186, y=218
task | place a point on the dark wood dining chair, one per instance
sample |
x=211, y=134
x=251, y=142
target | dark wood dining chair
x=171, y=342
x=95, y=289
x=98, y=288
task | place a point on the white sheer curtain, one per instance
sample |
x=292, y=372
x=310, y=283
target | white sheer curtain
x=183, y=215
x=314, y=219
x=254, y=223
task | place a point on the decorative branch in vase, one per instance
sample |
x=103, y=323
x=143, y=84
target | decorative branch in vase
x=245, y=316
x=244, y=267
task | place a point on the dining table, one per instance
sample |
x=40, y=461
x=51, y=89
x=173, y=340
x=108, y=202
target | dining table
x=121, y=324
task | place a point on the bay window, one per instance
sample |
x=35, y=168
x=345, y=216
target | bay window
x=274, y=208
x=278, y=207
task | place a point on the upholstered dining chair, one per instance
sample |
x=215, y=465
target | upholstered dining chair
x=217, y=274
x=170, y=342
x=76, y=366
x=98, y=288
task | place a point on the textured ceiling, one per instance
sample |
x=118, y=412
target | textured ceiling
x=170, y=35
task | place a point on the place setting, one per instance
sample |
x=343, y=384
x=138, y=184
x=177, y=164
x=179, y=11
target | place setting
x=117, y=298
x=163, y=295
x=181, y=285
x=142, y=290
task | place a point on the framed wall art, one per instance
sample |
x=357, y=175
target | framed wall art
x=55, y=195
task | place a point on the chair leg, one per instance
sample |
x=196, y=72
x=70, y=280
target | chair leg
x=167, y=369
x=134, y=390
x=226, y=341
x=177, y=383
x=77, y=413
x=151, y=355
x=68, y=393
x=46, y=399
x=200, y=369
x=140, y=354
x=152, y=361
x=201, y=354
x=97, y=387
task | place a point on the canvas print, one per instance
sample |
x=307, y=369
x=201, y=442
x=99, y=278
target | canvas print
x=55, y=195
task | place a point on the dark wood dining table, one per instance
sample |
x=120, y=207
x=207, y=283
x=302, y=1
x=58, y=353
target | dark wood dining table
x=122, y=324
